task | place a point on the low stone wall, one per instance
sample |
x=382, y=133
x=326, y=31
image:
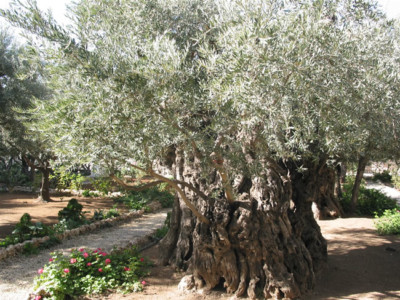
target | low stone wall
x=17, y=249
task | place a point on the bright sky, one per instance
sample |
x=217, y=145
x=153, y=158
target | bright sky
x=58, y=8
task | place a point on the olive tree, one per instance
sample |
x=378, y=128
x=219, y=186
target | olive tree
x=244, y=103
x=20, y=86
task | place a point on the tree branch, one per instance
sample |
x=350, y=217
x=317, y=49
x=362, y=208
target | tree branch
x=174, y=184
x=137, y=188
x=183, y=196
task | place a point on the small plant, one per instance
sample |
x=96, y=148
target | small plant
x=103, y=185
x=384, y=177
x=26, y=230
x=87, y=272
x=101, y=214
x=72, y=215
x=389, y=222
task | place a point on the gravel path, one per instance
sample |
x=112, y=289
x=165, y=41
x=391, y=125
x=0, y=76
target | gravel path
x=388, y=191
x=17, y=273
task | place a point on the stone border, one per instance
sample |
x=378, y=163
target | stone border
x=13, y=250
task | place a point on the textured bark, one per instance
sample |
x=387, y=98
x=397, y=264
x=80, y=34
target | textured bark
x=261, y=240
x=362, y=163
x=45, y=186
x=326, y=202
x=338, y=184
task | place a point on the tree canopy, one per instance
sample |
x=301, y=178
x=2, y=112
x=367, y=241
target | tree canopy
x=303, y=79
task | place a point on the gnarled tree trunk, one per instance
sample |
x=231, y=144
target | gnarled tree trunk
x=326, y=202
x=262, y=239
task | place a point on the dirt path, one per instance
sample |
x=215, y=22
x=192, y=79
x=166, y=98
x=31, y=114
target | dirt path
x=13, y=206
x=361, y=265
x=16, y=274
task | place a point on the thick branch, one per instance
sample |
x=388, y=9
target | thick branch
x=183, y=196
x=178, y=189
x=137, y=188
x=218, y=164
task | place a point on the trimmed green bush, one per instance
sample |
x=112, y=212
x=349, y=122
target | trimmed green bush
x=389, y=222
x=384, y=177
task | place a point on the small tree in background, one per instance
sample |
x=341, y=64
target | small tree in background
x=20, y=85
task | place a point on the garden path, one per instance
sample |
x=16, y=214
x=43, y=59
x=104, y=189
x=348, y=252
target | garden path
x=17, y=273
x=387, y=190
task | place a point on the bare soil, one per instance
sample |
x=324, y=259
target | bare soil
x=13, y=206
x=361, y=265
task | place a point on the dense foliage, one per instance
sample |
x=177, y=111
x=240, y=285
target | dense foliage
x=138, y=200
x=128, y=85
x=371, y=202
x=389, y=222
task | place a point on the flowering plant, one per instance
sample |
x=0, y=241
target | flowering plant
x=91, y=272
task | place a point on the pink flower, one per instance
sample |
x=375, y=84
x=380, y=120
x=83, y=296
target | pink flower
x=73, y=260
x=100, y=270
x=89, y=264
x=144, y=282
x=66, y=271
x=50, y=260
x=126, y=269
x=99, y=249
x=85, y=255
x=103, y=253
x=81, y=249
x=40, y=271
x=142, y=259
x=95, y=251
x=38, y=297
x=108, y=261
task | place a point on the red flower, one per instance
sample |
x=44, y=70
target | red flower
x=89, y=264
x=50, y=260
x=144, y=282
x=66, y=271
x=142, y=259
x=40, y=271
x=126, y=269
x=72, y=260
x=100, y=270
x=108, y=261
x=95, y=251
x=81, y=249
x=85, y=255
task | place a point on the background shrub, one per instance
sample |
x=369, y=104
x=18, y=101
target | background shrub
x=370, y=202
x=384, y=177
x=389, y=222
x=138, y=200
